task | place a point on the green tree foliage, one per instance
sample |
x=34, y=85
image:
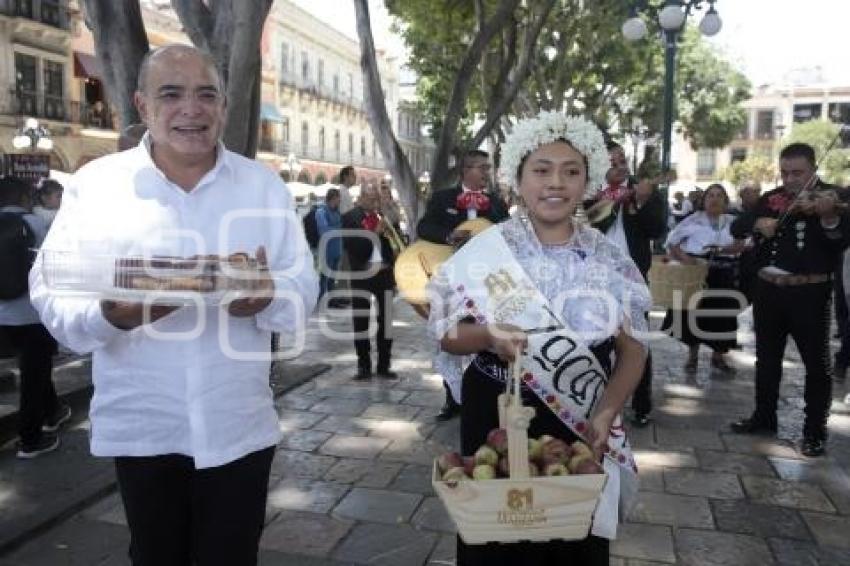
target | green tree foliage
x=757, y=169
x=834, y=167
x=709, y=91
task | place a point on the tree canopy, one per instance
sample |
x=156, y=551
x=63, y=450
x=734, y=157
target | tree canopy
x=756, y=168
x=834, y=167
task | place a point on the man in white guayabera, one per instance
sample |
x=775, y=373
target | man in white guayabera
x=181, y=393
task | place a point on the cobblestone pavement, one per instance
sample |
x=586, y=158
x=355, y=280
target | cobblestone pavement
x=351, y=484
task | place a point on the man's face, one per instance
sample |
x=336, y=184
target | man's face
x=476, y=173
x=333, y=203
x=370, y=201
x=350, y=179
x=796, y=172
x=182, y=106
x=619, y=170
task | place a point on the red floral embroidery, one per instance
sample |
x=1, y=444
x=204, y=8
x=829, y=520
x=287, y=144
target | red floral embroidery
x=370, y=222
x=779, y=202
x=474, y=200
x=615, y=193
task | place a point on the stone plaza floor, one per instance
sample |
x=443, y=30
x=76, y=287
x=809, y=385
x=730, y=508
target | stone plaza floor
x=351, y=479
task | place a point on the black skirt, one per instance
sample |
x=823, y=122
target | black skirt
x=717, y=332
x=483, y=382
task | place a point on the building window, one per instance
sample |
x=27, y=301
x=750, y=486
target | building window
x=320, y=71
x=336, y=142
x=350, y=85
x=336, y=85
x=839, y=112
x=362, y=146
x=285, y=130
x=350, y=144
x=374, y=148
x=305, y=136
x=806, y=112
x=284, y=58
x=764, y=125
x=54, y=88
x=705, y=162
x=26, y=83
x=400, y=124
x=739, y=154
x=744, y=132
x=305, y=66
x=322, y=140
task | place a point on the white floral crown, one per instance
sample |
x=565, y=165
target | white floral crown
x=530, y=133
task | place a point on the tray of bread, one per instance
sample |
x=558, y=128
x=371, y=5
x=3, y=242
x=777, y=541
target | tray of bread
x=163, y=279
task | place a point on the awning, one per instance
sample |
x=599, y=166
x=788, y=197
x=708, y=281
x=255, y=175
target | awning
x=86, y=65
x=269, y=111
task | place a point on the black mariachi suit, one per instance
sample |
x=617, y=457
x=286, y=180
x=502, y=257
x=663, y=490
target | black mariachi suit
x=641, y=226
x=442, y=215
x=381, y=285
x=803, y=246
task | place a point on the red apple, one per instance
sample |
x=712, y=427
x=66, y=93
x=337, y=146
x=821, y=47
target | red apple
x=497, y=439
x=504, y=467
x=580, y=447
x=448, y=461
x=535, y=449
x=574, y=462
x=468, y=464
x=555, y=451
x=556, y=469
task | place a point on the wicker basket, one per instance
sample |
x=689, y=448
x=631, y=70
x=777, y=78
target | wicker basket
x=520, y=508
x=673, y=284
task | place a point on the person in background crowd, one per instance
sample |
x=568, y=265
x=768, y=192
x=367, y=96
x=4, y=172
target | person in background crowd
x=800, y=237
x=449, y=208
x=748, y=195
x=638, y=217
x=41, y=413
x=49, y=197
x=190, y=422
x=371, y=279
x=347, y=179
x=705, y=236
x=680, y=207
x=329, y=220
x=390, y=208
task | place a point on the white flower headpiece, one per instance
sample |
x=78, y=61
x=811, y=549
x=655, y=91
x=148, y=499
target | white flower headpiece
x=530, y=133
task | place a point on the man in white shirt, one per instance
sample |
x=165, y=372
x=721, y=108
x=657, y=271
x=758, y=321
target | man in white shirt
x=182, y=399
x=347, y=179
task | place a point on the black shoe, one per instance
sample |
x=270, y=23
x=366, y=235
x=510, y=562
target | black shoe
x=754, y=425
x=57, y=419
x=813, y=446
x=362, y=374
x=448, y=412
x=387, y=374
x=640, y=419
x=47, y=443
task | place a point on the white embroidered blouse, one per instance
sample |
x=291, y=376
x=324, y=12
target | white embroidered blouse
x=697, y=231
x=589, y=282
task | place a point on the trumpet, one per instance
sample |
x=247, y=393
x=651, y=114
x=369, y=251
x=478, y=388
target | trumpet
x=396, y=242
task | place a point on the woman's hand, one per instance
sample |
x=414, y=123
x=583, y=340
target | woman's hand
x=598, y=432
x=507, y=340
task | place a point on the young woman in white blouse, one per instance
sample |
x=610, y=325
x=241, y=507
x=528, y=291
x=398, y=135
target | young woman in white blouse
x=705, y=236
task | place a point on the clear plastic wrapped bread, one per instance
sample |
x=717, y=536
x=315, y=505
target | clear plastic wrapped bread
x=160, y=278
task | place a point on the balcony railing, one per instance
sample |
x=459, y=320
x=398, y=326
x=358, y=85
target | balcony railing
x=40, y=105
x=50, y=12
x=321, y=91
x=319, y=153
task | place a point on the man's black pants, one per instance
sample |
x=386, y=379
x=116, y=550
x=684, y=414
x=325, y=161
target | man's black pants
x=380, y=286
x=35, y=347
x=180, y=516
x=803, y=313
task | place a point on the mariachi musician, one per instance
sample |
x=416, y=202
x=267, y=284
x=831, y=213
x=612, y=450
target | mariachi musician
x=449, y=208
x=800, y=229
x=635, y=215
x=371, y=276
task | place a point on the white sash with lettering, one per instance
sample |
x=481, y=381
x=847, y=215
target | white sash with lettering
x=558, y=367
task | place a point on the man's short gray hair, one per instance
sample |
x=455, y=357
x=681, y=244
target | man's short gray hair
x=150, y=56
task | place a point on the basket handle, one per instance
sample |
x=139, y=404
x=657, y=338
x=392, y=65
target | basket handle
x=515, y=419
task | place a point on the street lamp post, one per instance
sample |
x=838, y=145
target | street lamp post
x=33, y=136
x=671, y=18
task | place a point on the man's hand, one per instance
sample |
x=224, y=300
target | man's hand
x=127, y=316
x=766, y=226
x=459, y=237
x=260, y=296
x=598, y=432
x=643, y=191
x=826, y=206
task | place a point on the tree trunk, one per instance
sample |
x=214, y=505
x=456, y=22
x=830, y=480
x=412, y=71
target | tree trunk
x=379, y=120
x=232, y=36
x=460, y=91
x=120, y=45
